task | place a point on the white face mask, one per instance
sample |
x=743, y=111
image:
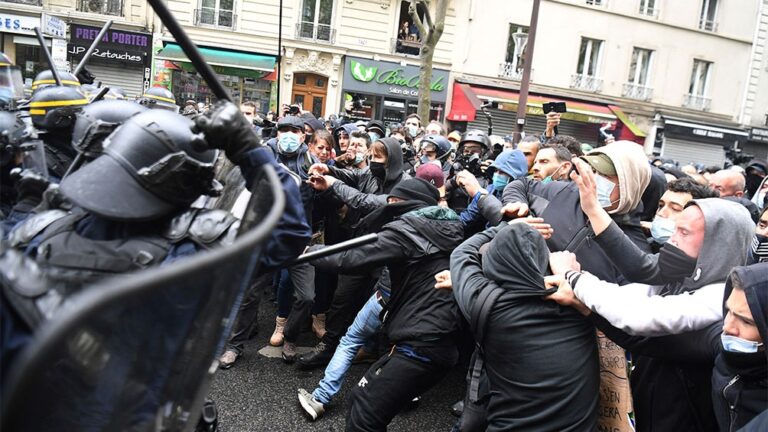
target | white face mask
x=604, y=189
x=662, y=229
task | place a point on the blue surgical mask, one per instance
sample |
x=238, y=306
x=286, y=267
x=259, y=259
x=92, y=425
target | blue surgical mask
x=604, y=189
x=413, y=130
x=739, y=345
x=500, y=181
x=359, y=157
x=549, y=178
x=662, y=229
x=374, y=136
x=288, y=143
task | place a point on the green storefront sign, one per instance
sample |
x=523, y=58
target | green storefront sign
x=389, y=78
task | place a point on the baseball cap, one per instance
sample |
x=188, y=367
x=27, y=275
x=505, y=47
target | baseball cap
x=601, y=163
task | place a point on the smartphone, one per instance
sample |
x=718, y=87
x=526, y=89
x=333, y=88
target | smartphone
x=558, y=107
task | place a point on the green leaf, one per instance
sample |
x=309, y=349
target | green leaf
x=362, y=73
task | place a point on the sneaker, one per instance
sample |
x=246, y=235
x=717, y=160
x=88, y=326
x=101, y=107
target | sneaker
x=318, y=325
x=289, y=352
x=364, y=356
x=311, y=406
x=458, y=408
x=277, y=336
x=319, y=357
x=228, y=359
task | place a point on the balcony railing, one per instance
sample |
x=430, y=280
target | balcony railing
x=103, y=7
x=651, y=12
x=225, y=19
x=510, y=71
x=316, y=32
x=637, y=91
x=407, y=47
x=700, y=103
x=596, y=2
x=707, y=25
x=586, y=82
x=26, y=2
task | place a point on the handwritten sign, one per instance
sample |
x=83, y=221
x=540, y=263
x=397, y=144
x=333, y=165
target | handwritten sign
x=615, y=413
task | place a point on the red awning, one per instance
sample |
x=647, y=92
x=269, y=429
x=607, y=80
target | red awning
x=464, y=105
x=629, y=131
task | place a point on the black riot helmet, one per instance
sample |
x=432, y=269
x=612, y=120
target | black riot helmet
x=54, y=107
x=45, y=79
x=149, y=169
x=11, y=83
x=98, y=120
x=441, y=145
x=159, y=97
x=476, y=136
x=13, y=131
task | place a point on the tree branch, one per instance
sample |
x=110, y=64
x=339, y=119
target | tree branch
x=412, y=11
x=427, y=15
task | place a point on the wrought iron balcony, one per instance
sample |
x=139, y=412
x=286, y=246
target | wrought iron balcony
x=510, y=71
x=651, y=12
x=322, y=33
x=586, y=82
x=406, y=46
x=700, y=103
x=224, y=19
x=637, y=91
x=707, y=25
x=103, y=7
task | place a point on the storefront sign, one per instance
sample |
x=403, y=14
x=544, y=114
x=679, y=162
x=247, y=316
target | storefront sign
x=117, y=46
x=59, y=53
x=388, y=78
x=21, y=24
x=54, y=26
x=711, y=134
x=759, y=135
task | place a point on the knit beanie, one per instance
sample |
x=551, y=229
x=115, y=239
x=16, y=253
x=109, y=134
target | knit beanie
x=416, y=189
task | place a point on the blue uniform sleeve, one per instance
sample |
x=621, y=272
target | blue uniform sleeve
x=471, y=214
x=292, y=233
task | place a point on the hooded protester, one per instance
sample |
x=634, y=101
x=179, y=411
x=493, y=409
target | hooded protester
x=341, y=136
x=736, y=346
x=758, y=252
x=760, y=197
x=755, y=172
x=415, y=240
x=540, y=358
x=623, y=174
x=711, y=238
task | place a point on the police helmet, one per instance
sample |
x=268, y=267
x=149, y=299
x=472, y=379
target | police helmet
x=5, y=60
x=97, y=120
x=159, y=97
x=45, y=79
x=54, y=107
x=441, y=144
x=149, y=169
x=13, y=131
x=476, y=136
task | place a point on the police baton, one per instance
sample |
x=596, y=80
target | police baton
x=47, y=55
x=92, y=48
x=336, y=248
x=190, y=49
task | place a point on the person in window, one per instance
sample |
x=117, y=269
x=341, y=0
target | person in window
x=405, y=30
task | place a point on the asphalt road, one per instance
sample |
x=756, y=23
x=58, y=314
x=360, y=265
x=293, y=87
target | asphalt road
x=259, y=393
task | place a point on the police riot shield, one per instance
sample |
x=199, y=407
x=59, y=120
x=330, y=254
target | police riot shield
x=138, y=352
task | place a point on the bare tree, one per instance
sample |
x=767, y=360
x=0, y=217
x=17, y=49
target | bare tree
x=430, y=32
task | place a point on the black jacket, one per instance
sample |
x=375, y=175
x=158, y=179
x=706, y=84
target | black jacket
x=559, y=204
x=414, y=247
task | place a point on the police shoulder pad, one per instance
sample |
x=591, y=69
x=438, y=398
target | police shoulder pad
x=203, y=226
x=33, y=226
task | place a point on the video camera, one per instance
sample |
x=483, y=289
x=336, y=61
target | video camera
x=470, y=162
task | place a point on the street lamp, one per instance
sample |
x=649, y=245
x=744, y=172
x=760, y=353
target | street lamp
x=521, y=40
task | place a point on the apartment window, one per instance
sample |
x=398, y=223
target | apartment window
x=590, y=55
x=218, y=13
x=637, y=85
x=648, y=8
x=698, y=88
x=708, y=15
x=408, y=38
x=316, y=20
x=26, y=2
x=513, y=62
x=104, y=7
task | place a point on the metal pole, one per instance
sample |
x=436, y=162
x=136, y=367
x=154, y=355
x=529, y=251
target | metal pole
x=522, y=103
x=190, y=49
x=48, y=57
x=92, y=48
x=279, y=56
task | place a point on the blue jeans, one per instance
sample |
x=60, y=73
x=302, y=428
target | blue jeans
x=366, y=324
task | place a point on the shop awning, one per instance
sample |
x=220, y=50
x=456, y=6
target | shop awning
x=630, y=131
x=221, y=58
x=577, y=110
x=465, y=104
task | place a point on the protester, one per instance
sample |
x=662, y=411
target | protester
x=321, y=147
x=759, y=250
x=553, y=162
x=530, y=147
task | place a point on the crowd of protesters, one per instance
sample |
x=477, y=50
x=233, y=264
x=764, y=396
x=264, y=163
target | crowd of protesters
x=528, y=250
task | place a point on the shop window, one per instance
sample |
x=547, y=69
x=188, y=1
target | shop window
x=315, y=21
x=408, y=38
x=590, y=56
x=696, y=98
x=217, y=13
x=648, y=8
x=104, y=7
x=301, y=79
x=512, y=67
x=637, y=86
x=708, y=15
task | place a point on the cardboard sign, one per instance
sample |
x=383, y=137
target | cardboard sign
x=615, y=412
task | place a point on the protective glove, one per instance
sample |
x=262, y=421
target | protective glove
x=30, y=185
x=226, y=128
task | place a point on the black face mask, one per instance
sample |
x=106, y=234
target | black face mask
x=674, y=264
x=378, y=170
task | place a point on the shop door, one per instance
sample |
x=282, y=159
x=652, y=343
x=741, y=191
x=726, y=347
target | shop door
x=310, y=91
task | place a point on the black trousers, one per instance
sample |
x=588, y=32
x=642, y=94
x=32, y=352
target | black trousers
x=351, y=294
x=389, y=386
x=248, y=314
x=303, y=279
